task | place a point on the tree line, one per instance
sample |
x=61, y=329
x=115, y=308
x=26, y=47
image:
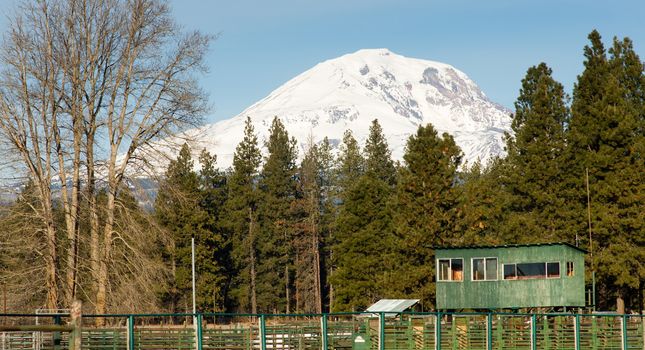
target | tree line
x=89, y=87
x=340, y=231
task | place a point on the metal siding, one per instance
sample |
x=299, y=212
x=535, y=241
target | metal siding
x=468, y=294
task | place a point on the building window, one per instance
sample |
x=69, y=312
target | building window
x=525, y=271
x=553, y=270
x=569, y=268
x=510, y=272
x=484, y=269
x=531, y=271
x=451, y=269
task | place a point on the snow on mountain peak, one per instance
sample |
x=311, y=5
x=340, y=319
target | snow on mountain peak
x=350, y=91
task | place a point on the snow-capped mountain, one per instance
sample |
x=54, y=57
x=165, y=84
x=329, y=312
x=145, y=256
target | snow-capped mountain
x=350, y=91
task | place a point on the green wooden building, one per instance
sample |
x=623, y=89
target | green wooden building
x=510, y=276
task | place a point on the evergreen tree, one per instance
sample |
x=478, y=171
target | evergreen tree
x=278, y=188
x=308, y=233
x=352, y=163
x=606, y=139
x=364, y=226
x=213, y=265
x=534, y=168
x=483, y=204
x=329, y=212
x=425, y=210
x=378, y=162
x=240, y=219
x=351, y=167
x=177, y=209
x=363, y=238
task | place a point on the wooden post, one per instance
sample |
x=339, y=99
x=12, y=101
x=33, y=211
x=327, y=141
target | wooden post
x=76, y=336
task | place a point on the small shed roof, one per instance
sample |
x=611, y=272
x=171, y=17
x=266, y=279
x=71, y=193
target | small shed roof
x=513, y=246
x=392, y=306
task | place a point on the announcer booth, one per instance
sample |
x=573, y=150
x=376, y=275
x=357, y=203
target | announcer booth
x=547, y=275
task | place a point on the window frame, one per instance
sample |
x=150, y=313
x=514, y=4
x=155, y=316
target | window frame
x=450, y=270
x=472, y=269
x=504, y=273
x=573, y=270
x=546, y=271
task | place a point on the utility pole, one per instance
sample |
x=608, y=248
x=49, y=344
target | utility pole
x=195, y=318
x=192, y=249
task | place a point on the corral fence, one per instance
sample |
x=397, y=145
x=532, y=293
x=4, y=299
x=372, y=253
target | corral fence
x=360, y=331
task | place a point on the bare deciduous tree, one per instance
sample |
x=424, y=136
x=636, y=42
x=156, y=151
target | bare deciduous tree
x=87, y=86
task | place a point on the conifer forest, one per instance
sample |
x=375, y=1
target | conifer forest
x=282, y=230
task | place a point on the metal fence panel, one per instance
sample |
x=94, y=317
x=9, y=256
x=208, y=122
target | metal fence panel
x=341, y=331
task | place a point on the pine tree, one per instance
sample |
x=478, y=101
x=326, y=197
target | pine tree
x=351, y=167
x=308, y=233
x=240, y=219
x=606, y=139
x=378, y=163
x=363, y=238
x=329, y=212
x=213, y=266
x=364, y=227
x=177, y=209
x=483, y=203
x=278, y=189
x=425, y=210
x=534, y=167
x=352, y=163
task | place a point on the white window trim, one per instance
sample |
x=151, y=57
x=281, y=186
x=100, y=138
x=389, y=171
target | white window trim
x=546, y=269
x=509, y=279
x=463, y=272
x=472, y=269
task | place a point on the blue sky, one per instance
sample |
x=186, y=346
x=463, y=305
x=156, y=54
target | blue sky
x=263, y=44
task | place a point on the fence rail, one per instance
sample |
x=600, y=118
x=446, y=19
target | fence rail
x=360, y=331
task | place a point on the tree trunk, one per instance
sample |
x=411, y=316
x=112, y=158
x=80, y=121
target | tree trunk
x=102, y=282
x=299, y=304
x=254, y=300
x=51, y=258
x=71, y=216
x=92, y=211
x=620, y=304
x=317, y=281
x=286, y=287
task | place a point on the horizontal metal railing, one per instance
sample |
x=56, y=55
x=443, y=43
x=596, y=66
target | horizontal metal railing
x=407, y=330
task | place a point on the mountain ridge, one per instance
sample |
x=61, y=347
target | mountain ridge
x=349, y=91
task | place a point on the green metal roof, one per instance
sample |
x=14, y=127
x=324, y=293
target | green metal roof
x=513, y=246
